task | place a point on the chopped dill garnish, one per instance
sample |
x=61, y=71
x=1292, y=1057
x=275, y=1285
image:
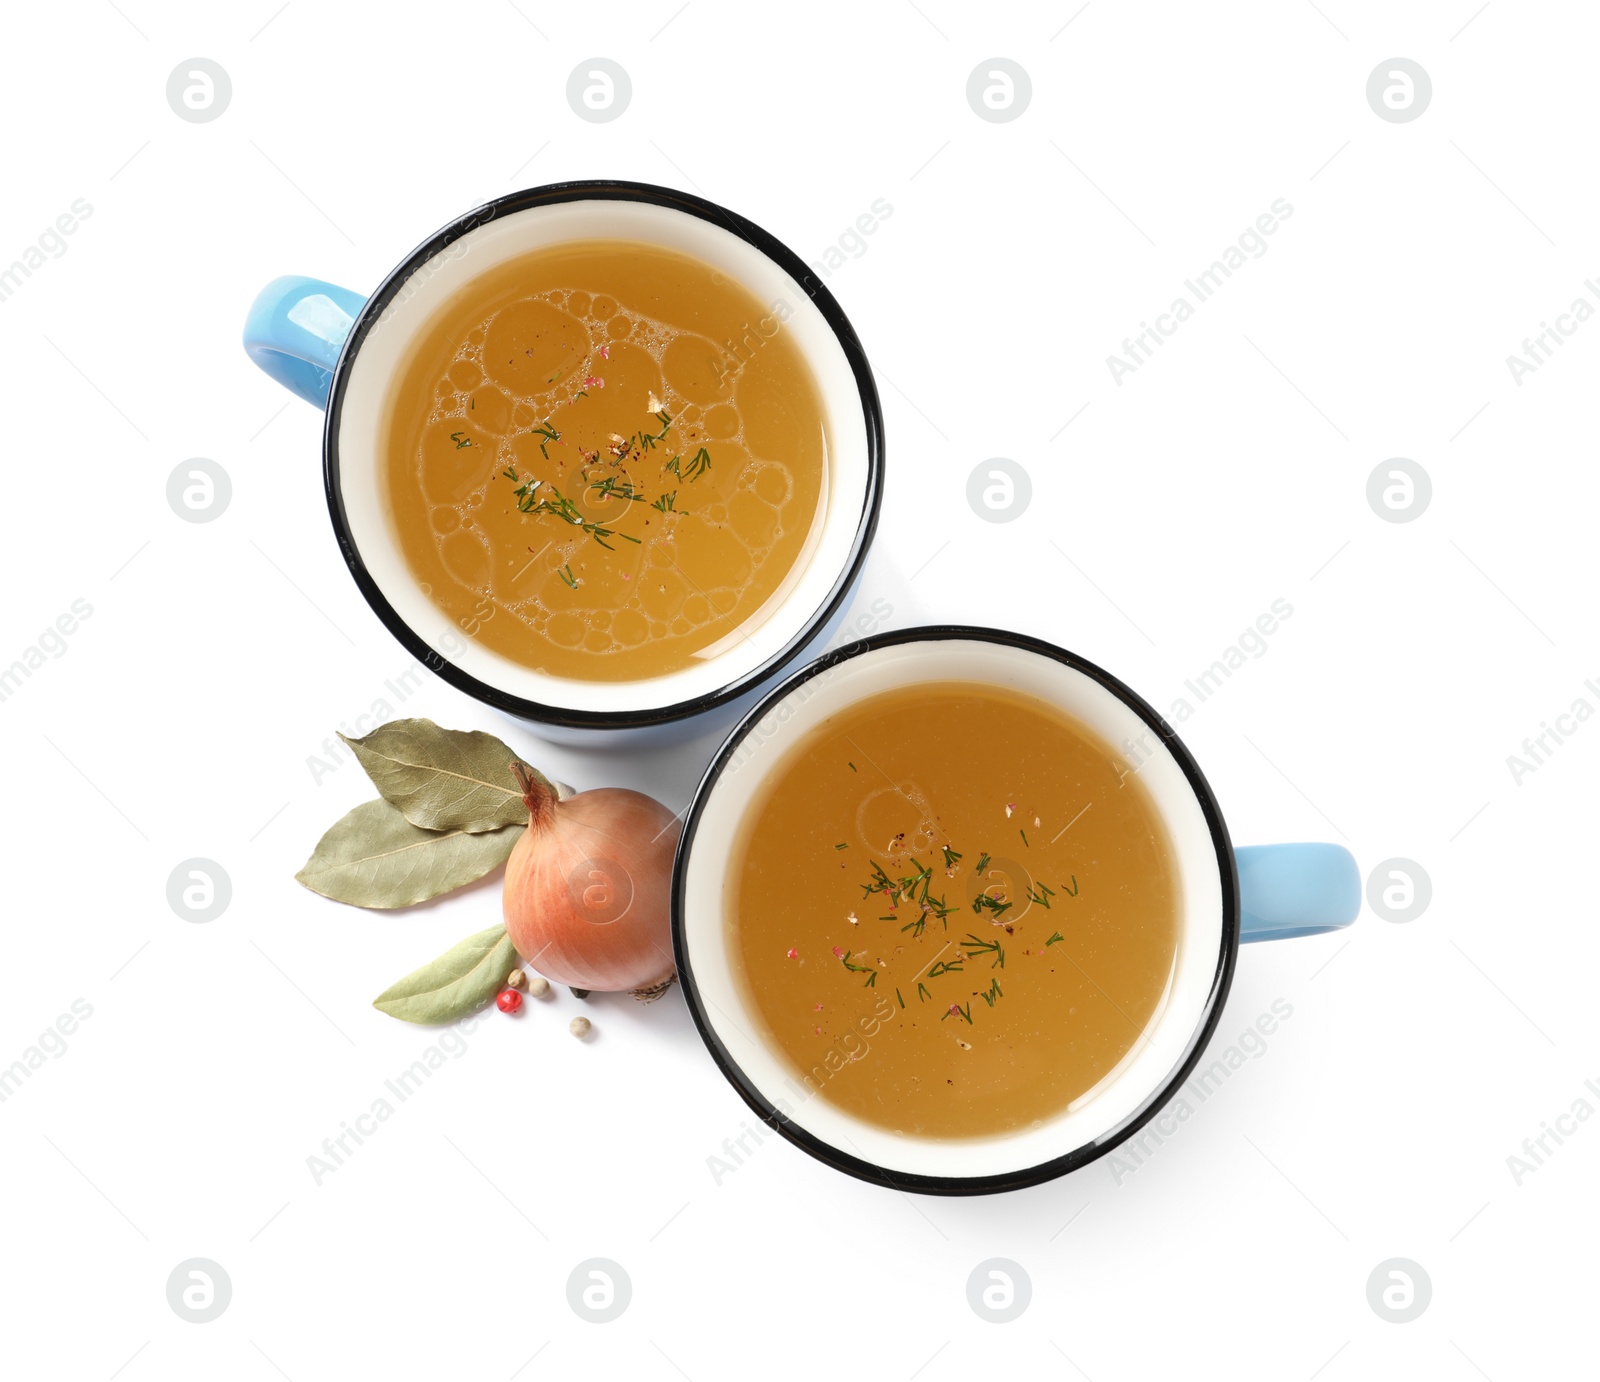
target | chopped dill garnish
x=908, y=886
x=650, y=440
x=699, y=465
x=564, y=509
x=880, y=882
x=982, y=947
x=853, y=768
x=1055, y=936
x=611, y=487
x=566, y=574
x=983, y=862
x=842, y=846
x=549, y=433
x=946, y=967
x=460, y=439
x=993, y=993
x=1043, y=896
x=1073, y=890
x=922, y=992
x=854, y=969
x=950, y=856
x=1024, y=835
x=983, y=900
x=902, y=1000
x=665, y=502
x=872, y=980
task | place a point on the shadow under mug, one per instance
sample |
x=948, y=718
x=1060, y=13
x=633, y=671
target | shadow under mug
x=1225, y=896
x=342, y=352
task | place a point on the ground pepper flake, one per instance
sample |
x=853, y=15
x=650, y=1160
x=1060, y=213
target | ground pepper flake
x=793, y=954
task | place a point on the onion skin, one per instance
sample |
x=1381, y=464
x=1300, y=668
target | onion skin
x=588, y=888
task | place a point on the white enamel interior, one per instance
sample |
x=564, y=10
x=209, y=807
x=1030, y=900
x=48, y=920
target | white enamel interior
x=386, y=350
x=710, y=888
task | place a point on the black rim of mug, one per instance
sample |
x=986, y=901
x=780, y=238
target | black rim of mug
x=1072, y=1160
x=608, y=190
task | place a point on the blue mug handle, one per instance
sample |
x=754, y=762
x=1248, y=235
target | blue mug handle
x=295, y=330
x=1296, y=890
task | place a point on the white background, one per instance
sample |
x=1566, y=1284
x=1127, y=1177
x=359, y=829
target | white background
x=1167, y=514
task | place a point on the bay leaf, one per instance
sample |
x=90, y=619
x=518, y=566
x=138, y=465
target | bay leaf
x=374, y=857
x=443, y=779
x=459, y=982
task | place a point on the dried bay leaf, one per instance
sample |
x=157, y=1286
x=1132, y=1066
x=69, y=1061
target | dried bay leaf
x=443, y=779
x=374, y=857
x=459, y=982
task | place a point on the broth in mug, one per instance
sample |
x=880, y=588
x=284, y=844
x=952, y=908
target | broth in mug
x=606, y=460
x=954, y=909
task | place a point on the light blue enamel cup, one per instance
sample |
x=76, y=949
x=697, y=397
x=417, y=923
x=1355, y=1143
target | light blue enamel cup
x=342, y=352
x=1224, y=896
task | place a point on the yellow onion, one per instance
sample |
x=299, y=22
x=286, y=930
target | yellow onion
x=587, y=888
